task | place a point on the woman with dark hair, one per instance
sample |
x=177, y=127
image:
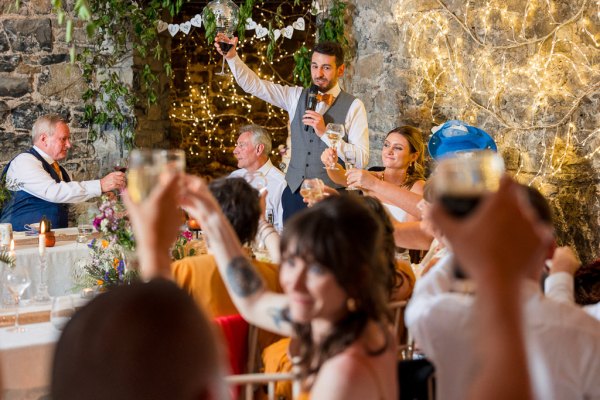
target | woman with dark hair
x=333, y=275
x=400, y=185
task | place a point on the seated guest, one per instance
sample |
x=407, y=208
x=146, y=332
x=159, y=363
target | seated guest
x=252, y=152
x=144, y=341
x=400, y=185
x=40, y=186
x=199, y=275
x=562, y=344
x=333, y=276
x=571, y=283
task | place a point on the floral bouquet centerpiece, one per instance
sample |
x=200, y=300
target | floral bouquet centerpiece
x=111, y=254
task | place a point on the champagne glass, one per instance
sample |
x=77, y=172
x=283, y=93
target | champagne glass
x=257, y=180
x=460, y=182
x=17, y=280
x=350, y=156
x=335, y=133
x=62, y=311
x=312, y=189
x=145, y=168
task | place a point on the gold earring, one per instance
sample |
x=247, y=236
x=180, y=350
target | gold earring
x=351, y=304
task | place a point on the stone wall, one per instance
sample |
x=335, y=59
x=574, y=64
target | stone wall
x=424, y=62
x=36, y=77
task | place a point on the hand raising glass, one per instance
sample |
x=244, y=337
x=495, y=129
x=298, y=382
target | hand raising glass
x=335, y=133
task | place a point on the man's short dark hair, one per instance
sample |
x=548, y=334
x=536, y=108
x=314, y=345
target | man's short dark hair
x=330, y=49
x=240, y=204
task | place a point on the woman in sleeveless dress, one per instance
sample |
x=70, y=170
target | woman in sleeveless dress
x=400, y=185
x=334, y=278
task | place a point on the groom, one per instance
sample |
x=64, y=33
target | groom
x=334, y=106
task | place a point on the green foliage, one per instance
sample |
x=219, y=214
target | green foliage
x=302, y=68
x=245, y=13
x=115, y=27
x=332, y=26
x=210, y=25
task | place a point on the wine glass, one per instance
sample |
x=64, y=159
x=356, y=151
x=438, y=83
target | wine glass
x=335, y=133
x=312, y=190
x=120, y=165
x=62, y=311
x=225, y=47
x=257, y=180
x=350, y=156
x=460, y=182
x=17, y=280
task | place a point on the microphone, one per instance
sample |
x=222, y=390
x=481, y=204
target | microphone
x=311, y=100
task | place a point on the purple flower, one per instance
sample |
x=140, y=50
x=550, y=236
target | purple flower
x=97, y=222
x=91, y=244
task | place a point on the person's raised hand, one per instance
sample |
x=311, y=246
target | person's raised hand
x=329, y=156
x=112, y=181
x=221, y=37
x=155, y=222
x=314, y=119
x=501, y=240
x=564, y=260
x=360, y=178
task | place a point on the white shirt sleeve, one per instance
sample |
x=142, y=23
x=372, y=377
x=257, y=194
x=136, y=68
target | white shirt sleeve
x=593, y=310
x=560, y=287
x=27, y=172
x=282, y=96
x=438, y=280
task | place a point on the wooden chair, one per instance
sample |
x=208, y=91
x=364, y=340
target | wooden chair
x=250, y=380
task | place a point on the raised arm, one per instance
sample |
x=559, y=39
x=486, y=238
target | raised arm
x=338, y=175
x=245, y=286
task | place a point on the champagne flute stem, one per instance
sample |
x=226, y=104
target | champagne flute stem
x=17, y=304
x=223, y=66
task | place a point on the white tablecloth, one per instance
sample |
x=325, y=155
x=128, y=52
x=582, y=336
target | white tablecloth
x=60, y=260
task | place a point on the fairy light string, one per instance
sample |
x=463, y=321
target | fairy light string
x=521, y=68
x=207, y=109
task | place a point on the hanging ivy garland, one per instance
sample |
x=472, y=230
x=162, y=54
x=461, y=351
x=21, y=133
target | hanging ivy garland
x=118, y=28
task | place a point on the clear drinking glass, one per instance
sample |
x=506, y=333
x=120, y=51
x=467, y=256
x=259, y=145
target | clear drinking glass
x=335, y=133
x=84, y=228
x=312, y=189
x=17, y=280
x=225, y=47
x=63, y=309
x=460, y=182
x=350, y=156
x=145, y=168
x=257, y=180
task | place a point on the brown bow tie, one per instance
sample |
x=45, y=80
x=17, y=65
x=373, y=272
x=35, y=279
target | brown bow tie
x=326, y=98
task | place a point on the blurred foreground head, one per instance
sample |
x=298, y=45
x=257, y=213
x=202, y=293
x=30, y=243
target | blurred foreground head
x=145, y=341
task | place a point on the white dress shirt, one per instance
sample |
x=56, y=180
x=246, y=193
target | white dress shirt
x=560, y=287
x=28, y=174
x=562, y=343
x=275, y=186
x=286, y=97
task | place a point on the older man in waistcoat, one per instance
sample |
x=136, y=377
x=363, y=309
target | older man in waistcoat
x=39, y=186
x=334, y=106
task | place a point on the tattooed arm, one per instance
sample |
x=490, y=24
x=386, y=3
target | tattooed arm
x=258, y=305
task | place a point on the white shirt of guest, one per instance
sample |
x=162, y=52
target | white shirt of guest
x=560, y=287
x=562, y=343
x=29, y=175
x=287, y=97
x=275, y=186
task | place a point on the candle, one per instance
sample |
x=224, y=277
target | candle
x=42, y=241
x=12, y=248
